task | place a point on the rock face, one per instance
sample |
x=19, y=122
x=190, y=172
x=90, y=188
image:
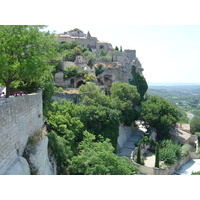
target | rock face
x=118, y=70
x=36, y=161
x=21, y=167
x=38, y=158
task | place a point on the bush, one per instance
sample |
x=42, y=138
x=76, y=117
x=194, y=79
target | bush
x=185, y=149
x=138, y=155
x=70, y=71
x=98, y=70
x=60, y=89
x=170, y=153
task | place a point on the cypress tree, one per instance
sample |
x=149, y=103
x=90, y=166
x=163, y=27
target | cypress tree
x=157, y=156
x=116, y=48
x=139, y=154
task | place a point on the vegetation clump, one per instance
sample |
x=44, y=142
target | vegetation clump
x=140, y=82
x=25, y=49
x=169, y=152
x=97, y=158
x=158, y=113
x=96, y=114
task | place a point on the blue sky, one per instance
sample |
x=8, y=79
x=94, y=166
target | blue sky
x=168, y=53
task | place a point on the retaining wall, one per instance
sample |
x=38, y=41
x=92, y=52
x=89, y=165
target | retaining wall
x=162, y=171
x=124, y=134
x=20, y=117
x=68, y=97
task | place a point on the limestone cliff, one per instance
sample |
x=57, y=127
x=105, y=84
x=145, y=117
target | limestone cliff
x=38, y=159
x=36, y=154
x=20, y=167
x=35, y=160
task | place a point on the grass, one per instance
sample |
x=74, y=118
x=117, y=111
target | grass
x=33, y=140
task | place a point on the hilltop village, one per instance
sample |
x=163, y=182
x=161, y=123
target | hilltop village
x=118, y=68
x=85, y=109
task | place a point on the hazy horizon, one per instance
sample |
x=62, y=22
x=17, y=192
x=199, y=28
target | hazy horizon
x=172, y=83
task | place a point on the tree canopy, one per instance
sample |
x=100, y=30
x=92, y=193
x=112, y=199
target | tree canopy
x=97, y=158
x=26, y=52
x=195, y=124
x=140, y=82
x=158, y=113
x=124, y=97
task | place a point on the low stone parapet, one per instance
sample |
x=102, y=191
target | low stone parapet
x=163, y=171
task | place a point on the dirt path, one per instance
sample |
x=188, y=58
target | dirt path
x=149, y=160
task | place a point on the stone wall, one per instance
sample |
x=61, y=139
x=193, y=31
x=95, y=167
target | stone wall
x=124, y=134
x=20, y=117
x=162, y=171
x=68, y=97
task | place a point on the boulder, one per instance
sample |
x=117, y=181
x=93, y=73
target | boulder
x=39, y=160
x=20, y=167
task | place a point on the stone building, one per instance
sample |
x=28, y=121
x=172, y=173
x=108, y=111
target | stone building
x=84, y=40
x=120, y=69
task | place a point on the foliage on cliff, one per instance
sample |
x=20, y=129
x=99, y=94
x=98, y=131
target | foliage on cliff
x=68, y=123
x=140, y=82
x=72, y=71
x=124, y=97
x=96, y=113
x=97, y=158
x=72, y=49
x=157, y=113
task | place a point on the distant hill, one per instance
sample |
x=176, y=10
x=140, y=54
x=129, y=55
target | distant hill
x=171, y=84
x=181, y=87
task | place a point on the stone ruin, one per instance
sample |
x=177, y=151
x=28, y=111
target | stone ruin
x=118, y=70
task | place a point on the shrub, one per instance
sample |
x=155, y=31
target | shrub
x=170, y=153
x=98, y=70
x=70, y=71
x=60, y=89
x=185, y=149
x=195, y=173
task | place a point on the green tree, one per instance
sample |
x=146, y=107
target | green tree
x=61, y=150
x=157, y=156
x=124, y=97
x=92, y=95
x=26, y=52
x=97, y=158
x=195, y=124
x=125, y=92
x=89, y=78
x=139, y=161
x=90, y=63
x=63, y=119
x=70, y=71
x=89, y=48
x=158, y=113
x=89, y=55
x=98, y=70
x=100, y=120
x=140, y=82
x=116, y=48
x=170, y=153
